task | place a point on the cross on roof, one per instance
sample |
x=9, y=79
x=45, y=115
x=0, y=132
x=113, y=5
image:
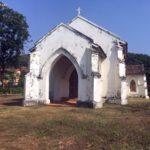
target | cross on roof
x=79, y=11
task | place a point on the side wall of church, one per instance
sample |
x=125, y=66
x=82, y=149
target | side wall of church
x=111, y=83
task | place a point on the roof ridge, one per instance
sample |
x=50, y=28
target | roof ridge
x=66, y=26
x=48, y=33
x=97, y=26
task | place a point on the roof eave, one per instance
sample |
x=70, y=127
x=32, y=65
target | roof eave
x=99, y=50
x=68, y=27
x=32, y=49
x=99, y=27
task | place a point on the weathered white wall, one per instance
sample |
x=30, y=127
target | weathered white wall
x=109, y=67
x=31, y=80
x=141, y=87
x=77, y=46
x=63, y=41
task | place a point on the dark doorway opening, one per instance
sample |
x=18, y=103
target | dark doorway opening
x=73, y=84
x=63, y=82
x=132, y=86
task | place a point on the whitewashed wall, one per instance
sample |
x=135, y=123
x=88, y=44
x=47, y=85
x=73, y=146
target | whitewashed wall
x=141, y=86
x=63, y=40
x=51, y=47
x=111, y=83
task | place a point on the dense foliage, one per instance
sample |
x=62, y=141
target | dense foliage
x=23, y=61
x=135, y=59
x=13, y=35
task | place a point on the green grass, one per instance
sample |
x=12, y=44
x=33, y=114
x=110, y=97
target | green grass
x=113, y=127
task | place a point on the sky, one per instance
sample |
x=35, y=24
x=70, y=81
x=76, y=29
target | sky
x=130, y=19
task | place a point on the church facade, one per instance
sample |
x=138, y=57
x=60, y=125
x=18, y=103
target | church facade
x=77, y=60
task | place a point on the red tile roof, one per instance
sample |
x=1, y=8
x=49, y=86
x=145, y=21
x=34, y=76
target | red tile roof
x=135, y=69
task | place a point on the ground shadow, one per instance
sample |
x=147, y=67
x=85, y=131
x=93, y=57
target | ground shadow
x=65, y=102
x=12, y=102
x=18, y=101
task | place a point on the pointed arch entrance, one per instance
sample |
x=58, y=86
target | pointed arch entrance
x=63, y=80
x=132, y=86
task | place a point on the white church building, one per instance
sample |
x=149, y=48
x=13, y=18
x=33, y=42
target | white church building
x=77, y=60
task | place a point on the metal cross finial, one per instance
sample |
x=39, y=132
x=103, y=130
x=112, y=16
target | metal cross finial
x=79, y=11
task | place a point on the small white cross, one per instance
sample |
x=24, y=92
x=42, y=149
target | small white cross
x=79, y=11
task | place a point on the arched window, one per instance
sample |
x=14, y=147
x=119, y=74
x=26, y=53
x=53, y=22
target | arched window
x=132, y=86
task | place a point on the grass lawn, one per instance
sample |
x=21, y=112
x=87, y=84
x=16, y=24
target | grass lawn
x=113, y=127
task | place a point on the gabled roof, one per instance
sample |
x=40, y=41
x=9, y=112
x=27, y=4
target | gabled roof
x=135, y=69
x=96, y=46
x=67, y=27
x=97, y=26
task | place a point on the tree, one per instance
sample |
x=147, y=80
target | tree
x=23, y=60
x=136, y=59
x=13, y=35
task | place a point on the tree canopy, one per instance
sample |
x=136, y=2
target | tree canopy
x=135, y=59
x=13, y=35
x=23, y=60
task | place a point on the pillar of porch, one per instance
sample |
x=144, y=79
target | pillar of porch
x=97, y=85
x=146, y=89
x=122, y=74
x=32, y=82
x=97, y=99
x=124, y=100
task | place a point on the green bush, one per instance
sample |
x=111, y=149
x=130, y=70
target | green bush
x=12, y=90
x=17, y=90
x=3, y=90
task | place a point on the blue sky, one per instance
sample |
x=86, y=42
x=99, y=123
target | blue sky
x=130, y=19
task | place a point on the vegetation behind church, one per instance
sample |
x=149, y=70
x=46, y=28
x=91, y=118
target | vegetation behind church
x=136, y=59
x=13, y=79
x=13, y=35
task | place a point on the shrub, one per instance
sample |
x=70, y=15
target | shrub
x=12, y=90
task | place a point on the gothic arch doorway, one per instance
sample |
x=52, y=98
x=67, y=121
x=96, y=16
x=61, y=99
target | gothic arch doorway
x=132, y=86
x=63, y=80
